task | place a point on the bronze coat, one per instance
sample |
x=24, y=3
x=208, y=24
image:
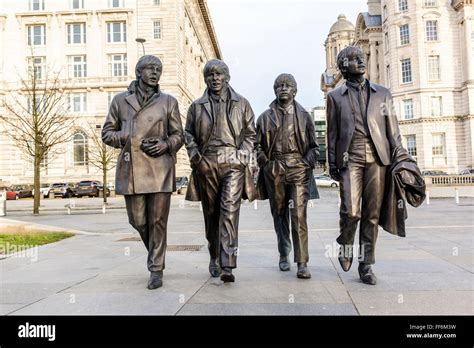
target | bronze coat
x=381, y=119
x=198, y=131
x=126, y=125
x=268, y=127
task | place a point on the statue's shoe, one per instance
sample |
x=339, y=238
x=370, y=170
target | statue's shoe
x=284, y=264
x=345, y=257
x=155, y=281
x=227, y=276
x=366, y=274
x=303, y=271
x=214, y=268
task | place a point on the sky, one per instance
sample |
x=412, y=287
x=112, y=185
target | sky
x=260, y=39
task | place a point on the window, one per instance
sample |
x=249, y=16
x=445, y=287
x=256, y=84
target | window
x=157, y=29
x=77, y=66
x=403, y=5
x=156, y=2
x=438, y=145
x=435, y=106
x=76, y=33
x=387, y=42
x=36, y=5
x=411, y=144
x=385, y=12
x=36, y=35
x=408, y=109
x=78, y=102
x=116, y=3
x=433, y=68
x=80, y=149
x=431, y=30
x=118, y=64
x=36, y=107
x=430, y=3
x=404, y=34
x=36, y=67
x=77, y=4
x=406, y=70
x=116, y=32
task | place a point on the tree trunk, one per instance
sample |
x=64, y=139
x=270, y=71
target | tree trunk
x=36, y=185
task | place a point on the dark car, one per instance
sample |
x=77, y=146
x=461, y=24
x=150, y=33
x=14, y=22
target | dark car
x=62, y=189
x=181, y=184
x=19, y=191
x=89, y=188
x=433, y=173
x=467, y=172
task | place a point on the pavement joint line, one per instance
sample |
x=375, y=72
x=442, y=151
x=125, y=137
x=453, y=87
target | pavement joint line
x=441, y=258
x=331, y=259
x=191, y=297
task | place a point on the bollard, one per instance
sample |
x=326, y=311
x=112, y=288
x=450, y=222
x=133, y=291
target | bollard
x=68, y=209
x=255, y=205
x=200, y=206
x=103, y=208
x=427, y=197
x=3, y=203
x=456, y=195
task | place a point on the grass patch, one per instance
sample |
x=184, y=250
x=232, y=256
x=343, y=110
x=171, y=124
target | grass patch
x=13, y=238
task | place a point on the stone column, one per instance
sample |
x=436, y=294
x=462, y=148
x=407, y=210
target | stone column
x=373, y=64
x=468, y=43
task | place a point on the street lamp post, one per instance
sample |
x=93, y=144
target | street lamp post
x=142, y=41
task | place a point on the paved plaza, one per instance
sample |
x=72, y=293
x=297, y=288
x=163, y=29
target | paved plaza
x=102, y=270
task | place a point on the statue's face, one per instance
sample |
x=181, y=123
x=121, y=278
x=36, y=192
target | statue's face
x=216, y=80
x=355, y=64
x=150, y=74
x=285, y=91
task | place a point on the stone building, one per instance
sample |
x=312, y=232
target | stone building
x=423, y=51
x=93, y=44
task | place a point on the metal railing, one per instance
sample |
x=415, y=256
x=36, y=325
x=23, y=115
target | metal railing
x=448, y=180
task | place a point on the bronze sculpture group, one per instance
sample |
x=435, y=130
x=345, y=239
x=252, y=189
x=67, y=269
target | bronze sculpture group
x=220, y=137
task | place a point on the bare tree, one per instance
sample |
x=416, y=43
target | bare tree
x=37, y=119
x=101, y=156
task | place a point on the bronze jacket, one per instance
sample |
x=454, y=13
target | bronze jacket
x=268, y=127
x=126, y=125
x=381, y=119
x=198, y=130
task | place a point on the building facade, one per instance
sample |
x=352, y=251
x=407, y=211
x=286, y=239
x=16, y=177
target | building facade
x=422, y=50
x=93, y=46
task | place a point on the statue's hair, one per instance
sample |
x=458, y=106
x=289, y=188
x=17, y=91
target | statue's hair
x=288, y=78
x=343, y=56
x=144, y=60
x=216, y=63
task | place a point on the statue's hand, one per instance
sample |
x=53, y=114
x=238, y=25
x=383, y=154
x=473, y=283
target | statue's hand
x=334, y=173
x=155, y=149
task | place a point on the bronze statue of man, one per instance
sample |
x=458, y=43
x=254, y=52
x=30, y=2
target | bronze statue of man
x=362, y=135
x=287, y=152
x=145, y=123
x=219, y=137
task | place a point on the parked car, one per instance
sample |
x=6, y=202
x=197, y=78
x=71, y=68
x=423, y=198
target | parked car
x=181, y=183
x=89, y=188
x=45, y=189
x=62, y=189
x=467, y=172
x=323, y=180
x=19, y=191
x=433, y=173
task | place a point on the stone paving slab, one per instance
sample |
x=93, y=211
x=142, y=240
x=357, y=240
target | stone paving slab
x=428, y=272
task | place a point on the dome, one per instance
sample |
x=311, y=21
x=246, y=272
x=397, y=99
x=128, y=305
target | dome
x=342, y=24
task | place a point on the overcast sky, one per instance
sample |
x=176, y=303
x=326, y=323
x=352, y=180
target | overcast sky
x=260, y=39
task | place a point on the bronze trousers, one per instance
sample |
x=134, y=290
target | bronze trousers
x=287, y=183
x=363, y=179
x=148, y=214
x=221, y=184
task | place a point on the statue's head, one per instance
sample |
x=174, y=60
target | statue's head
x=351, y=61
x=149, y=69
x=285, y=88
x=216, y=75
